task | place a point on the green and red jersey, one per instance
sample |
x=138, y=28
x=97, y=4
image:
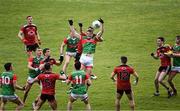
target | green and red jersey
x=88, y=44
x=176, y=60
x=72, y=43
x=36, y=61
x=6, y=79
x=78, y=79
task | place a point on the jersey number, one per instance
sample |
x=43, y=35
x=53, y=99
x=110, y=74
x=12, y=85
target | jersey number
x=78, y=79
x=47, y=83
x=5, y=80
x=124, y=75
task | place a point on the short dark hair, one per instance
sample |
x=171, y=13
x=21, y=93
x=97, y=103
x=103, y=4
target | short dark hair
x=28, y=16
x=47, y=66
x=7, y=66
x=90, y=29
x=178, y=37
x=44, y=50
x=161, y=38
x=38, y=48
x=124, y=59
x=77, y=65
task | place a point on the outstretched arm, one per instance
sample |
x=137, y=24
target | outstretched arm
x=72, y=29
x=62, y=48
x=80, y=27
x=100, y=33
x=61, y=57
x=35, y=80
x=62, y=77
x=16, y=86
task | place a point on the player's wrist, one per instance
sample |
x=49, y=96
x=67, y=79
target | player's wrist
x=70, y=22
x=36, y=69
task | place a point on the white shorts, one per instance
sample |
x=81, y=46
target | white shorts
x=72, y=54
x=30, y=80
x=81, y=96
x=175, y=68
x=9, y=97
x=87, y=60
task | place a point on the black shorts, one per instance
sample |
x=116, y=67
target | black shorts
x=48, y=97
x=128, y=91
x=30, y=48
x=166, y=69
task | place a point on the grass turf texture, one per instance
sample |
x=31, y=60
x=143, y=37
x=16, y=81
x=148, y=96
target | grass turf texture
x=131, y=28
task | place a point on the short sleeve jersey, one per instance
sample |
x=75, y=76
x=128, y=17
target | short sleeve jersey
x=123, y=76
x=6, y=80
x=176, y=60
x=88, y=45
x=48, y=82
x=165, y=60
x=30, y=33
x=78, y=79
x=35, y=64
x=72, y=43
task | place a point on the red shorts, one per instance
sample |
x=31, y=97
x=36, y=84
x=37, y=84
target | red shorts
x=48, y=97
x=120, y=91
x=30, y=48
x=166, y=69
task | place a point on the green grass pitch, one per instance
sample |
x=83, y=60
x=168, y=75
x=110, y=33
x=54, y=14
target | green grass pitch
x=131, y=28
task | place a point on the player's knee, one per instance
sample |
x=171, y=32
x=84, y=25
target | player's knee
x=156, y=81
x=117, y=102
x=21, y=105
x=160, y=81
x=132, y=105
x=86, y=102
x=169, y=80
x=67, y=62
x=26, y=92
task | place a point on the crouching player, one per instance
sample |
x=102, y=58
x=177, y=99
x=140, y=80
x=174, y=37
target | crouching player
x=79, y=80
x=48, y=80
x=123, y=73
x=8, y=85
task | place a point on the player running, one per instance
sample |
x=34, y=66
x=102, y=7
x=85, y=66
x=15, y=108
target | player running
x=71, y=42
x=29, y=36
x=48, y=80
x=34, y=70
x=176, y=63
x=8, y=83
x=80, y=82
x=165, y=67
x=122, y=80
